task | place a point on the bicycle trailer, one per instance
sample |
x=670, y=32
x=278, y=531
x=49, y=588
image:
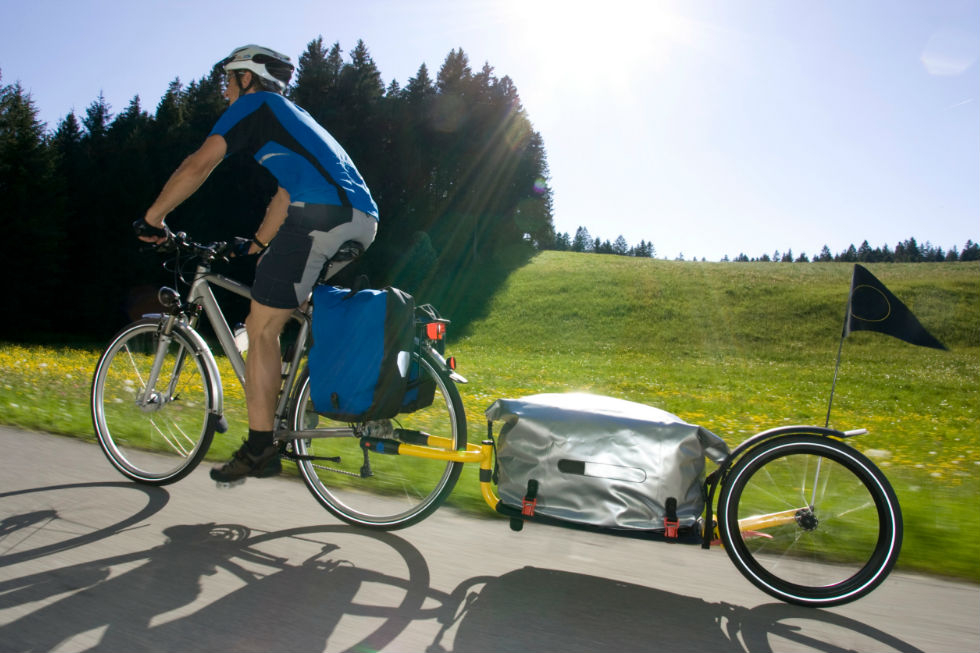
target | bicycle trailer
x=601, y=463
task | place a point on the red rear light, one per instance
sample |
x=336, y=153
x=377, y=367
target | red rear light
x=435, y=331
x=451, y=362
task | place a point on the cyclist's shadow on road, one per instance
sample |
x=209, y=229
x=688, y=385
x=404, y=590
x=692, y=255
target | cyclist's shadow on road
x=154, y=599
x=161, y=599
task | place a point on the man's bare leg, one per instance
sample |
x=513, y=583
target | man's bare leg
x=263, y=367
x=263, y=376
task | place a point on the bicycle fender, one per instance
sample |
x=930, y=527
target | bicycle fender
x=214, y=377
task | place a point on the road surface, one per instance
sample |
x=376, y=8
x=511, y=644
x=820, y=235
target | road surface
x=89, y=561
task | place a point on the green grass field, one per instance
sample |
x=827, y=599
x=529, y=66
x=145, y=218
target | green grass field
x=737, y=348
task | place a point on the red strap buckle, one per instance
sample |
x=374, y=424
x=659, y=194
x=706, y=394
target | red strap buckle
x=530, y=501
x=528, y=506
x=670, y=518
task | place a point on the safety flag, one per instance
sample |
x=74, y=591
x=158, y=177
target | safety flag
x=872, y=307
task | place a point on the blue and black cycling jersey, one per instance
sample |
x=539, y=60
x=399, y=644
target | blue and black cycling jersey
x=306, y=160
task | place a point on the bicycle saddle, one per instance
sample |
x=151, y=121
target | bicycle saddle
x=348, y=251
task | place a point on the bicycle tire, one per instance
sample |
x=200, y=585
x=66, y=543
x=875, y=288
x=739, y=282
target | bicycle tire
x=401, y=490
x=845, y=527
x=161, y=441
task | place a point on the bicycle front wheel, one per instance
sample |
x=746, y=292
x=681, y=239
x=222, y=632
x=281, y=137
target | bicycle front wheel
x=381, y=490
x=157, y=434
x=810, y=520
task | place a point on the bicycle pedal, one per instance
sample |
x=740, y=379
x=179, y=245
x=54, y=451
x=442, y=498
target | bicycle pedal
x=227, y=485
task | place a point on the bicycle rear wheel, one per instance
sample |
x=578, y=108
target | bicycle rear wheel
x=156, y=435
x=810, y=520
x=398, y=490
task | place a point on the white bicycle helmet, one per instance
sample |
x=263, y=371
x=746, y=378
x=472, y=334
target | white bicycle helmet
x=271, y=66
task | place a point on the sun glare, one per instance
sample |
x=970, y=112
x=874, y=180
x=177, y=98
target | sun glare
x=615, y=38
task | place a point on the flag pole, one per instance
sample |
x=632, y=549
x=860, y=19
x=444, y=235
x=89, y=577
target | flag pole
x=830, y=404
x=833, y=386
x=840, y=348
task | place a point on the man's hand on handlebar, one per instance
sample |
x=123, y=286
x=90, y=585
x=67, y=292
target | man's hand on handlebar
x=150, y=234
x=242, y=247
x=164, y=240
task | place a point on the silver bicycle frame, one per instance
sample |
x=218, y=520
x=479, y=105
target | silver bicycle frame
x=200, y=294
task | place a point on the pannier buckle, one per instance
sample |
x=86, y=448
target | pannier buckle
x=530, y=501
x=671, y=523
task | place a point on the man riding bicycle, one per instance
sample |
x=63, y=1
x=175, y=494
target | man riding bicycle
x=321, y=202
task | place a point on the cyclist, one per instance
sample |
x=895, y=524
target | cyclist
x=322, y=202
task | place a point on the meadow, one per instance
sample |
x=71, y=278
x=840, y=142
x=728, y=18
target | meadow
x=734, y=347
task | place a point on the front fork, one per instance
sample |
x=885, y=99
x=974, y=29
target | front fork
x=151, y=399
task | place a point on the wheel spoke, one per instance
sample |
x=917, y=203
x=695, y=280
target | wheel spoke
x=136, y=369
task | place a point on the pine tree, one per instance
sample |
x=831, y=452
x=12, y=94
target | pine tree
x=582, y=242
x=971, y=251
x=317, y=80
x=360, y=82
x=864, y=253
x=28, y=214
x=419, y=87
x=455, y=74
x=620, y=246
x=68, y=137
x=131, y=124
x=97, y=118
x=912, y=252
x=312, y=79
x=171, y=110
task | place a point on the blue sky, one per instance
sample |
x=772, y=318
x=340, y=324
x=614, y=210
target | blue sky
x=710, y=128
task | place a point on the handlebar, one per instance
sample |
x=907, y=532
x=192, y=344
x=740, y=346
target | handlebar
x=180, y=243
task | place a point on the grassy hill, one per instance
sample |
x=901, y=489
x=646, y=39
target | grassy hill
x=735, y=347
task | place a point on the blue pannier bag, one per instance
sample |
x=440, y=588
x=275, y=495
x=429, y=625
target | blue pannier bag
x=362, y=352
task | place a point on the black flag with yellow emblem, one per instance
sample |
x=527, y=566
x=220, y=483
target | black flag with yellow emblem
x=872, y=307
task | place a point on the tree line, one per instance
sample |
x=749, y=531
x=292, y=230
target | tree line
x=907, y=251
x=584, y=242
x=458, y=171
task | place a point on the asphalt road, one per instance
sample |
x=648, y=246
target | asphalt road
x=89, y=561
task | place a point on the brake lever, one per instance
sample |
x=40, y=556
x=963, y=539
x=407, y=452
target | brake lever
x=167, y=246
x=222, y=251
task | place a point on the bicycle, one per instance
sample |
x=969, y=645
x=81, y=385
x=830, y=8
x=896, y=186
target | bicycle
x=802, y=515
x=157, y=400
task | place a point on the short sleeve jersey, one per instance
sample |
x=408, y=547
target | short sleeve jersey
x=305, y=159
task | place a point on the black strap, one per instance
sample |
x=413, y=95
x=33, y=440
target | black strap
x=360, y=283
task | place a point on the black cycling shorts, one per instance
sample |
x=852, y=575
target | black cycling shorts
x=296, y=257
